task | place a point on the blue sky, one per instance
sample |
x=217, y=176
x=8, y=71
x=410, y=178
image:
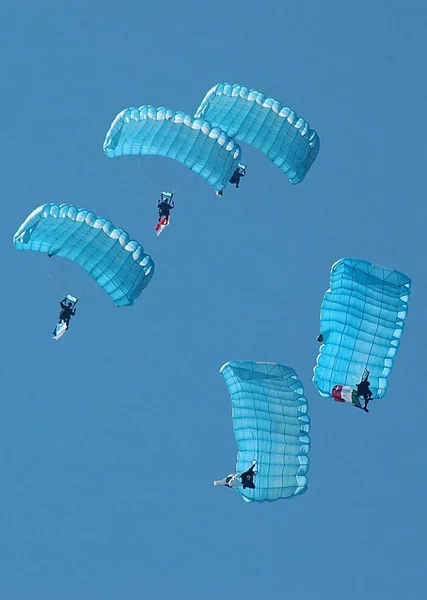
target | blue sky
x=111, y=438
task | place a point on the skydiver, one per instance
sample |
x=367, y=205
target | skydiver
x=237, y=175
x=245, y=479
x=320, y=338
x=248, y=477
x=363, y=390
x=67, y=311
x=165, y=207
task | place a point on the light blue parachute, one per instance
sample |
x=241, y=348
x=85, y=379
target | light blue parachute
x=264, y=123
x=204, y=149
x=361, y=320
x=271, y=426
x=116, y=262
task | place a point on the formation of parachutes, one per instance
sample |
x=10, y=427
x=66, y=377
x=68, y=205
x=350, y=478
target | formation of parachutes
x=206, y=142
x=361, y=318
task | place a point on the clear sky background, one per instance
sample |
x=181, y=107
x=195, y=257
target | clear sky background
x=110, y=439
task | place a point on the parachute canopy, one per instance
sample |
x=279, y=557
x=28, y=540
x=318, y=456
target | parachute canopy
x=116, y=262
x=264, y=123
x=195, y=143
x=271, y=426
x=361, y=321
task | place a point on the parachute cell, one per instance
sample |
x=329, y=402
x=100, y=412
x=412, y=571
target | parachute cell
x=361, y=320
x=204, y=149
x=264, y=123
x=116, y=262
x=271, y=426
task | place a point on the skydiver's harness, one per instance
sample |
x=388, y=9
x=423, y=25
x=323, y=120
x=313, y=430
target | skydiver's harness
x=68, y=310
x=165, y=204
x=248, y=477
x=363, y=387
x=238, y=174
x=241, y=169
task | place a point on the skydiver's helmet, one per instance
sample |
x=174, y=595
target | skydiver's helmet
x=70, y=304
